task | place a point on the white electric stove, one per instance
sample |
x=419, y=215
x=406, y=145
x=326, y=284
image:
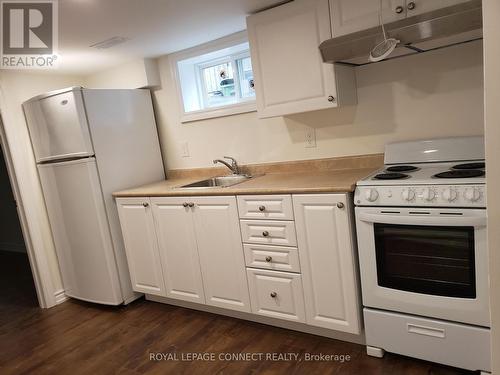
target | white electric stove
x=421, y=231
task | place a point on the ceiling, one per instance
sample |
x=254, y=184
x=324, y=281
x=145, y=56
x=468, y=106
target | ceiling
x=154, y=28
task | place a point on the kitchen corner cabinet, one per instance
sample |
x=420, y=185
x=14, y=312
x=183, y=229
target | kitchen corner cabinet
x=289, y=74
x=349, y=16
x=141, y=247
x=327, y=258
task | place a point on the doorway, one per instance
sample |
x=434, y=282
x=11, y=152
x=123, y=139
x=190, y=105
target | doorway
x=17, y=290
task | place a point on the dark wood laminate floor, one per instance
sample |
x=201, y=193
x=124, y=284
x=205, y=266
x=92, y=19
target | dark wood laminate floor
x=81, y=338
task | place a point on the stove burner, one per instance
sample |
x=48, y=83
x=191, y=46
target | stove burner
x=391, y=176
x=465, y=173
x=479, y=165
x=401, y=168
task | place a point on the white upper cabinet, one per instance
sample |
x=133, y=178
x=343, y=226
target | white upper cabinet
x=221, y=252
x=178, y=250
x=414, y=7
x=327, y=260
x=349, y=16
x=290, y=76
x=141, y=246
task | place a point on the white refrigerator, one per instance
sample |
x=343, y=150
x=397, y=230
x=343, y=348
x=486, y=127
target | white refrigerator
x=89, y=143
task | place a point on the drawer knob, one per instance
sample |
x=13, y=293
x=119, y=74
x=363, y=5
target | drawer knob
x=399, y=9
x=262, y=208
x=191, y=204
x=331, y=98
x=145, y=204
x=411, y=5
x=265, y=233
x=185, y=204
x=340, y=205
x=273, y=294
x=269, y=258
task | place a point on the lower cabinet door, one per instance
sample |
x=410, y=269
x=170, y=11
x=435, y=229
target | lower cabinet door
x=221, y=253
x=141, y=246
x=327, y=261
x=178, y=250
x=276, y=294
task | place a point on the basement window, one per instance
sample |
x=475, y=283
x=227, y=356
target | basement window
x=215, y=79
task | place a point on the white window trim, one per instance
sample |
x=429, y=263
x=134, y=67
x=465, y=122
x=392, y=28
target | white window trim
x=208, y=113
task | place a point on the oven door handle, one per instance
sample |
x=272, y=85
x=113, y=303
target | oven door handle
x=422, y=220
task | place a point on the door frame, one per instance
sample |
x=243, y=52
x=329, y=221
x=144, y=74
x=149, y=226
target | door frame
x=39, y=268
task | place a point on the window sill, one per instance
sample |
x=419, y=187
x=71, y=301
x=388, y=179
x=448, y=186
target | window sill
x=228, y=110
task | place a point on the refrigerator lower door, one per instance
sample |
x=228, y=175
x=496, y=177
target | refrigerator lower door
x=80, y=230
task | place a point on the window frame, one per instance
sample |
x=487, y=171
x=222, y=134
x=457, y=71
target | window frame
x=244, y=106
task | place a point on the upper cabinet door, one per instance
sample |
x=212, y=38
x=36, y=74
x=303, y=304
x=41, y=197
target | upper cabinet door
x=58, y=126
x=415, y=7
x=221, y=252
x=327, y=261
x=349, y=16
x=141, y=246
x=290, y=76
x=178, y=251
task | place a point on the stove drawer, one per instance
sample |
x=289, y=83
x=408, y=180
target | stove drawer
x=453, y=344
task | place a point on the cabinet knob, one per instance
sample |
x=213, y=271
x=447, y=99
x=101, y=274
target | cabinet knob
x=331, y=99
x=411, y=5
x=262, y=208
x=185, y=204
x=399, y=9
x=268, y=258
x=145, y=204
x=191, y=204
x=340, y=205
x=273, y=294
x=265, y=233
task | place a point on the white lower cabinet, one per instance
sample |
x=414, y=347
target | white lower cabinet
x=178, y=249
x=276, y=294
x=327, y=260
x=221, y=252
x=141, y=246
x=197, y=249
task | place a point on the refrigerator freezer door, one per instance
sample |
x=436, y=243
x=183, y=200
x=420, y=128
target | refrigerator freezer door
x=58, y=126
x=80, y=230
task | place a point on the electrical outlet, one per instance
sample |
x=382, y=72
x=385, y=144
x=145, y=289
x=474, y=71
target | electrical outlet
x=310, y=137
x=185, y=149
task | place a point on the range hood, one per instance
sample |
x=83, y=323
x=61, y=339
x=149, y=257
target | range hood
x=440, y=28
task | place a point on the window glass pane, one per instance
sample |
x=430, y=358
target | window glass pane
x=216, y=79
x=245, y=75
x=219, y=84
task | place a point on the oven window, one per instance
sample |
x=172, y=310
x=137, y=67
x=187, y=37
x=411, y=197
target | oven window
x=426, y=259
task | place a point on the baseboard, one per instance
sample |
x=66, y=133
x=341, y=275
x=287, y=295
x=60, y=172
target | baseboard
x=60, y=296
x=301, y=327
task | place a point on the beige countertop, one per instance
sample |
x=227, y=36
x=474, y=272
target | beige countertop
x=325, y=181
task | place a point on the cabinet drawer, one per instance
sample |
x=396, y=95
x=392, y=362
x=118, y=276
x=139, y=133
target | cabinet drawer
x=429, y=339
x=271, y=207
x=277, y=258
x=276, y=294
x=269, y=232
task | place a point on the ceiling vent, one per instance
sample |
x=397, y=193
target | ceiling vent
x=109, y=43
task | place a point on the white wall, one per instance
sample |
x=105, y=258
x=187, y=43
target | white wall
x=130, y=75
x=491, y=10
x=436, y=94
x=15, y=88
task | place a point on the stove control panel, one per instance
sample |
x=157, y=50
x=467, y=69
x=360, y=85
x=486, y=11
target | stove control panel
x=421, y=195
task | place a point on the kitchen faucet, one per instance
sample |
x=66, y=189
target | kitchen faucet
x=233, y=166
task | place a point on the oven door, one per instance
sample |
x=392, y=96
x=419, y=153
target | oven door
x=430, y=262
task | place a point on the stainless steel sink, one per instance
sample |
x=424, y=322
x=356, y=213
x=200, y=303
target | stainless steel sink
x=215, y=182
